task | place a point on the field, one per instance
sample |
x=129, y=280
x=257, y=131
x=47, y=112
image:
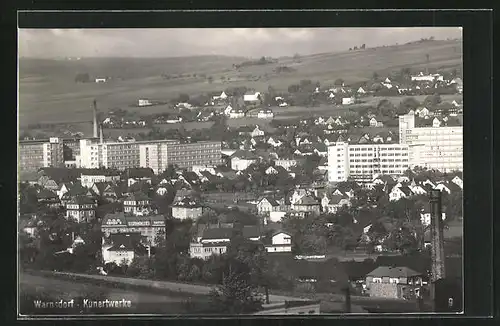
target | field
x=48, y=92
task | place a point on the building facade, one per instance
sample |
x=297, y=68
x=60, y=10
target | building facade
x=149, y=226
x=363, y=161
x=436, y=147
x=154, y=154
x=35, y=154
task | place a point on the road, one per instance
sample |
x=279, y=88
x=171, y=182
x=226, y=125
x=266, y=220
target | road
x=167, y=286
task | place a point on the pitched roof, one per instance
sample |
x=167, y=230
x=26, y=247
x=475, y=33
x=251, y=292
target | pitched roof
x=46, y=194
x=307, y=200
x=406, y=190
x=139, y=173
x=82, y=200
x=388, y=271
x=271, y=201
x=244, y=155
x=187, y=203
x=139, y=196
x=218, y=233
x=105, y=172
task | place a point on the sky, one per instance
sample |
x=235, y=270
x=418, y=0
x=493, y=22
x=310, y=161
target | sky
x=246, y=42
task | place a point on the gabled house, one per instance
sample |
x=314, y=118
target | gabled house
x=123, y=248
x=241, y=160
x=281, y=241
x=266, y=205
x=320, y=149
x=394, y=282
x=256, y=132
x=458, y=181
x=378, y=122
x=271, y=170
x=187, y=208
x=252, y=97
x=227, y=110
x=332, y=203
x=136, y=204
x=91, y=176
x=361, y=91
x=274, y=142
x=48, y=198
x=398, y=193
x=138, y=175
x=448, y=187
x=81, y=209
x=307, y=204
x=190, y=177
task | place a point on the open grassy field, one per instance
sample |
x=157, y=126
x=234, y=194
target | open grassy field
x=48, y=92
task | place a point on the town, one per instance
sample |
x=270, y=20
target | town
x=315, y=206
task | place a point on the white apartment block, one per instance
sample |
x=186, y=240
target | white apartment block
x=439, y=148
x=154, y=154
x=364, y=161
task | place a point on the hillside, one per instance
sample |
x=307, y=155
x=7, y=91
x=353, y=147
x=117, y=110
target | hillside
x=49, y=93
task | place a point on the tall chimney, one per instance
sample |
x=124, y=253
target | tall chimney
x=94, y=108
x=101, y=136
x=437, y=249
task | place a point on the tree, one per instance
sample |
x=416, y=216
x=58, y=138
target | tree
x=375, y=76
x=339, y=82
x=293, y=88
x=236, y=295
x=296, y=57
x=432, y=100
x=386, y=108
x=362, y=46
x=427, y=57
x=210, y=79
x=355, y=48
x=407, y=104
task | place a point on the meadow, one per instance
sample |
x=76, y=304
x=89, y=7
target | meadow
x=48, y=91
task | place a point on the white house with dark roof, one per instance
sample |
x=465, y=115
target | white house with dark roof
x=393, y=282
x=252, y=97
x=187, y=208
x=241, y=160
x=281, y=241
x=398, y=193
x=266, y=205
x=81, y=209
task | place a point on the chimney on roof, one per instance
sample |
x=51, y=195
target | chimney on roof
x=94, y=109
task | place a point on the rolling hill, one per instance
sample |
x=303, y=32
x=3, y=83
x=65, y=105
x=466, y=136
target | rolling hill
x=48, y=91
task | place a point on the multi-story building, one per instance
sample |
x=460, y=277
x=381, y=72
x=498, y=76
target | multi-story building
x=432, y=147
x=154, y=154
x=148, y=226
x=35, y=154
x=184, y=155
x=363, y=161
x=81, y=209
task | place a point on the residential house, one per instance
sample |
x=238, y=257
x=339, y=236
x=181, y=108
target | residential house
x=320, y=149
x=257, y=132
x=347, y=100
x=275, y=142
x=436, y=123
x=215, y=240
x=187, y=208
x=148, y=227
x=139, y=175
x=236, y=114
x=227, y=110
x=361, y=91
x=332, y=203
x=123, y=249
x=398, y=193
x=137, y=204
x=458, y=181
x=267, y=205
x=222, y=96
x=241, y=160
x=448, y=187
x=48, y=198
x=64, y=188
x=307, y=204
x=281, y=241
x=252, y=97
x=422, y=112
x=271, y=170
x=394, y=282
x=81, y=209
x=190, y=178
x=91, y=176
x=378, y=122
x=265, y=114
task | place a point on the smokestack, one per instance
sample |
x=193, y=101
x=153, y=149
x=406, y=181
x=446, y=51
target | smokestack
x=437, y=249
x=101, y=136
x=94, y=108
